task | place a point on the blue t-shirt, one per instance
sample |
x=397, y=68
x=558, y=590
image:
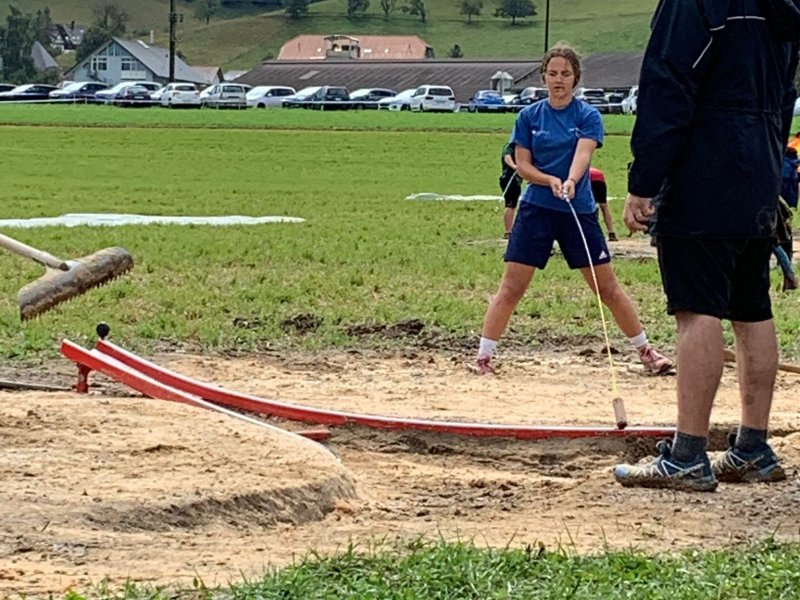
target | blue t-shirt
x=552, y=134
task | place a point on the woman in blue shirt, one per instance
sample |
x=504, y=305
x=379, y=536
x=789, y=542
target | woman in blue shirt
x=554, y=141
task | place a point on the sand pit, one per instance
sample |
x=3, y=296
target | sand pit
x=93, y=486
x=115, y=486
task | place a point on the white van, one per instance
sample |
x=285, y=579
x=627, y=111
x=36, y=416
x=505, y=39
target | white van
x=433, y=98
x=629, y=103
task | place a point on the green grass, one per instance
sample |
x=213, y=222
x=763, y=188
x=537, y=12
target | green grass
x=111, y=116
x=462, y=571
x=242, y=38
x=365, y=255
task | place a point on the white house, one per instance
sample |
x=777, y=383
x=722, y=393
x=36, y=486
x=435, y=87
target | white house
x=128, y=60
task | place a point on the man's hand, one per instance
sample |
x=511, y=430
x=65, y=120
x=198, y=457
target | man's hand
x=637, y=212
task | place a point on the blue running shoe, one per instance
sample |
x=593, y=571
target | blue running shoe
x=663, y=471
x=737, y=466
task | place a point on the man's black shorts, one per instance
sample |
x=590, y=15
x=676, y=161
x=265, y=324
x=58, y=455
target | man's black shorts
x=723, y=278
x=511, y=188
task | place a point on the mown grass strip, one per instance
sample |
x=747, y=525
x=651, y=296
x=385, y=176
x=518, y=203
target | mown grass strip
x=365, y=255
x=462, y=571
x=300, y=119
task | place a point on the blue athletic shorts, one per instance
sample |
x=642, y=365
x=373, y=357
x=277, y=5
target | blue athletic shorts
x=536, y=228
x=723, y=278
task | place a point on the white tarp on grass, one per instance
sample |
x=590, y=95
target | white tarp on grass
x=113, y=220
x=459, y=198
x=455, y=197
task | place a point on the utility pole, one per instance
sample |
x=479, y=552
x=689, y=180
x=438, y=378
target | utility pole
x=173, y=19
x=546, y=26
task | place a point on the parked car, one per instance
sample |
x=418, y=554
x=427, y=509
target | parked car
x=226, y=95
x=329, y=97
x=79, y=91
x=28, y=92
x=401, y=101
x=629, y=103
x=526, y=96
x=594, y=96
x=614, y=100
x=6, y=87
x=486, y=101
x=298, y=99
x=433, y=98
x=136, y=96
x=369, y=97
x=108, y=96
x=268, y=96
x=173, y=95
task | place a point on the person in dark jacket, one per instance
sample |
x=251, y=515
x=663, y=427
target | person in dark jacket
x=716, y=74
x=510, y=185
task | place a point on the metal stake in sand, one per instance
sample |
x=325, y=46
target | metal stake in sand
x=617, y=403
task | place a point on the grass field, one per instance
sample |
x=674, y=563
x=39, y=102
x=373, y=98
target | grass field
x=243, y=37
x=365, y=255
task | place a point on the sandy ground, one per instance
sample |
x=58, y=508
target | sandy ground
x=113, y=486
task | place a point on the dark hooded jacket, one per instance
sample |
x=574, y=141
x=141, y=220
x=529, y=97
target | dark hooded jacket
x=714, y=109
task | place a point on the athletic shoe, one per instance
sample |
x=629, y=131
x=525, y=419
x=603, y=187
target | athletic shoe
x=663, y=471
x=483, y=366
x=737, y=466
x=612, y=237
x=655, y=362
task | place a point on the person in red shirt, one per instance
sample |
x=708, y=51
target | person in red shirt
x=598, y=182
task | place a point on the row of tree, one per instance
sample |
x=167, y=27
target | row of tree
x=511, y=9
x=17, y=38
x=22, y=30
x=298, y=9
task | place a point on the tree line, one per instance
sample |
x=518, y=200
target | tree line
x=22, y=30
x=355, y=9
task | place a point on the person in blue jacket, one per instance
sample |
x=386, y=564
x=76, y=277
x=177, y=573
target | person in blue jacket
x=716, y=74
x=554, y=141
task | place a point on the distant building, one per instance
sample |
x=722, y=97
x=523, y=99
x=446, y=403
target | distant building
x=366, y=47
x=465, y=77
x=233, y=74
x=127, y=60
x=210, y=75
x=66, y=37
x=607, y=70
x=42, y=59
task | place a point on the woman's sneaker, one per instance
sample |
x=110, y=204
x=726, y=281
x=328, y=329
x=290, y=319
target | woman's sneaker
x=737, y=466
x=663, y=471
x=655, y=362
x=482, y=366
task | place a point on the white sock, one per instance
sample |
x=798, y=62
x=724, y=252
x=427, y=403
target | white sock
x=487, y=347
x=639, y=341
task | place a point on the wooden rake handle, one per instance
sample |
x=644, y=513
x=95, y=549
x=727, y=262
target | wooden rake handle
x=730, y=356
x=39, y=256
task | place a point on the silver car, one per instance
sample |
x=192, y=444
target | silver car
x=226, y=95
x=268, y=96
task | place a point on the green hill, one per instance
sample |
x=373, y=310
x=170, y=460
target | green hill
x=243, y=37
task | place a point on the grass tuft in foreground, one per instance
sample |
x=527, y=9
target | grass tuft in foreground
x=440, y=570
